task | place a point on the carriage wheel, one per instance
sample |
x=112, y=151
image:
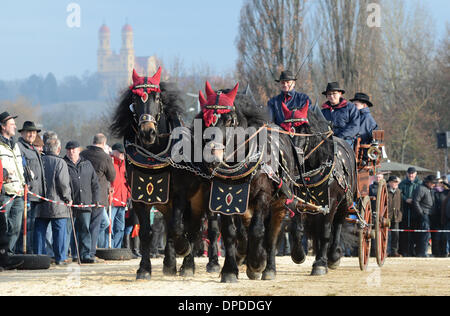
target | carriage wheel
x=382, y=223
x=365, y=238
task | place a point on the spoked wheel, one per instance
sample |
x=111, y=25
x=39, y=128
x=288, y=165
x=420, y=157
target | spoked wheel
x=365, y=233
x=382, y=223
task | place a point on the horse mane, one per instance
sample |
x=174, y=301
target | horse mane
x=122, y=120
x=255, y=115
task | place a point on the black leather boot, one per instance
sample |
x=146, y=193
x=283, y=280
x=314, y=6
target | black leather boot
x=135, y=246
x=7, y=262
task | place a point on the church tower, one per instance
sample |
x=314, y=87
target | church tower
x=104, y=49
x=127, y=57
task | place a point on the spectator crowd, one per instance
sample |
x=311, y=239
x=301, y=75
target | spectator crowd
x=85, y=193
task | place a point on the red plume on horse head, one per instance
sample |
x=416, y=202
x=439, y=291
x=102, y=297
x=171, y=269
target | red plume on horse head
x=148, y=83
x=210, y=115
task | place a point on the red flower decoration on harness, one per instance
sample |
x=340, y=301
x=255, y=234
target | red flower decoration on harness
x=294, y=118
x=216, y=104
x=143, y=86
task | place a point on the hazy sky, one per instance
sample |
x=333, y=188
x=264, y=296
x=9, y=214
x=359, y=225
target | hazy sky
x=36, y=39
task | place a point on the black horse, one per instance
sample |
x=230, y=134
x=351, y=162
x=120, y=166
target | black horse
x=148, y=113
x=325, y=175
x=249, y=194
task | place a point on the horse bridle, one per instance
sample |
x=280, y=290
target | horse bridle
x=146, y=118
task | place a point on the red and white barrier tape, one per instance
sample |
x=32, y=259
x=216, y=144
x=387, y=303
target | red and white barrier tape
x=4, y=205
x=73, y=205
x=419, y=231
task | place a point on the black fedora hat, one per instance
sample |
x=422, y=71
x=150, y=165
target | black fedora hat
x=333, y=86
x=431, y=178
x=362, y=97
x=29, y=126
x=286, y=76
x=6, y=116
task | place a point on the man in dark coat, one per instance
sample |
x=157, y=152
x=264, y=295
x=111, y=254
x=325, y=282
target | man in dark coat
x=407, y=187
x=85, y=191
x=423, y=205
x=106, y=174
x=34, y=175
x=395, y=213
x=289, y=104
x=367, y=123
x=341, y=113
x=58, y=189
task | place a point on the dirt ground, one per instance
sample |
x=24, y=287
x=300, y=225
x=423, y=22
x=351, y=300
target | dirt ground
x=399, y=276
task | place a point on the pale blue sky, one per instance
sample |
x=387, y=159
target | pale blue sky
x=35, y=38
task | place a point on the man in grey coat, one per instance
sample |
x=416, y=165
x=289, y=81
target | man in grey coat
x=34, y=176
x=58, y=189
x=423, y=204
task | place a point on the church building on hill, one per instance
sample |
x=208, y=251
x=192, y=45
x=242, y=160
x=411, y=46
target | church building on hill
x=115, y=70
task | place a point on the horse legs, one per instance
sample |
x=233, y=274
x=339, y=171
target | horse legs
x=335, y=251
x=179, y=210
x=242, y=241
x=257, y=255
x=213, y=235
x=145, y=235
x=273, y=231
x=298, y=254
x=230, y=269
x=323, y=242
x=194, y=221
x=170, y=259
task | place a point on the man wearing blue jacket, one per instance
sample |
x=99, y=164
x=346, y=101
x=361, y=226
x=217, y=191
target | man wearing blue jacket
x=341, y=113
x=367, y=122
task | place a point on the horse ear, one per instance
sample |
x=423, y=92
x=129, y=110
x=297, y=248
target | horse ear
x=201, y=98
x=135, y=76
x=209, y=90
x=232, y=94
x=156, y=79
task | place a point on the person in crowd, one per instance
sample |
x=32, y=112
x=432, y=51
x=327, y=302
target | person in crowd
x=34, y=175
x=438, y=239
x=6, y=262
x=289, y=104
x=120, y=196
x=407, y=187
x=367, y=122
x=423, y=204
x=131, y=235
x=395, y=214
x=38, y=144
x=445, y=217
x=341, y=113
x=106, y=174
x=158, y=229
x=58, y=189
x=85, y=191
x=11, y=158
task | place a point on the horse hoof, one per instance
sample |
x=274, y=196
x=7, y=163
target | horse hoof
x=182, y=248
x=253, y=275
x=298, y=258
x=334, y=265
x=143, y=276
x=212, y=267
x=319, y=270
x=187, y=273
x=269, y=275
x=169, y=271
x=228, y=278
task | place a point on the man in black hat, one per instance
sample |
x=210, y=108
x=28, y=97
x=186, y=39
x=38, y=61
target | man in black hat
x=423, y=204
x=395, y=214
x=34, y=175
x=85, y=190
x=367, y=122
x=288, y=101
x=343, y=114
x=14, y=185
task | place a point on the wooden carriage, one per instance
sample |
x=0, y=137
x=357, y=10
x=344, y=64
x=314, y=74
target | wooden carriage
x=370, y=214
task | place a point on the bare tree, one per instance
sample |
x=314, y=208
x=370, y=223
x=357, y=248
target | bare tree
x=272, y=37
